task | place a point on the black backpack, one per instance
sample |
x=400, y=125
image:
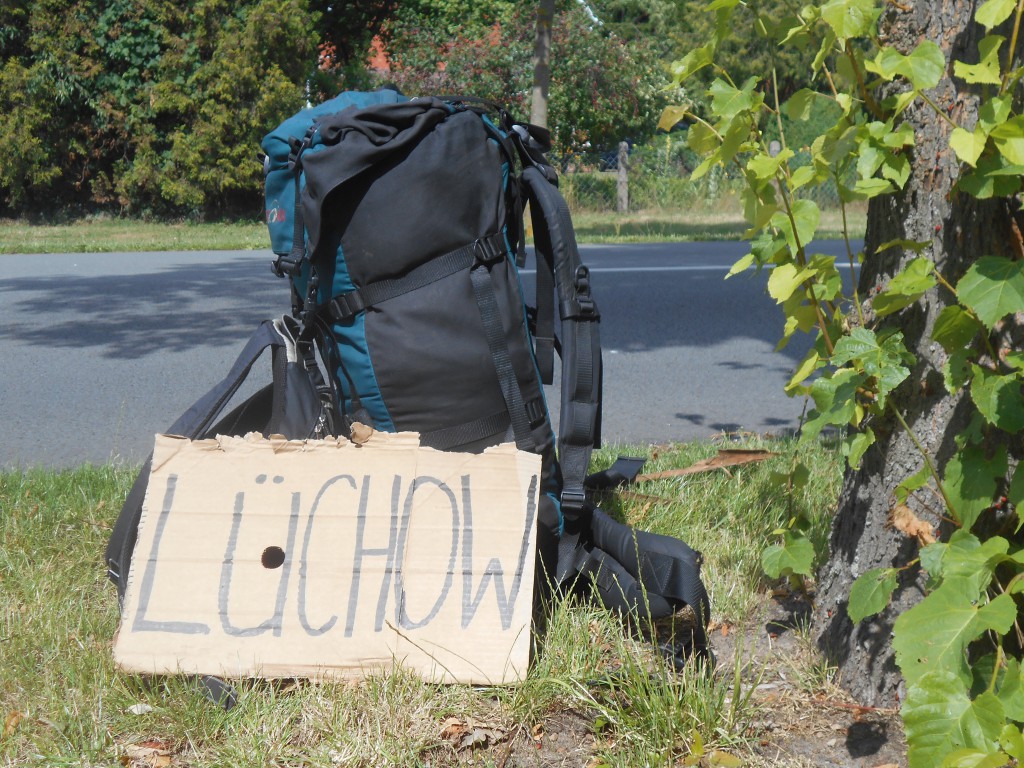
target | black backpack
x=399, y=225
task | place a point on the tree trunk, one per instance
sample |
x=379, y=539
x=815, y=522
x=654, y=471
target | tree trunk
x=542, y=63
x=960, y=229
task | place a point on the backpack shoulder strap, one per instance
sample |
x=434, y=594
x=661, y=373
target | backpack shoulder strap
x=280, y=407
x=557, y=254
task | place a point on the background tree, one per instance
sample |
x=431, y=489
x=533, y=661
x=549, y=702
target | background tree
x=921, y=368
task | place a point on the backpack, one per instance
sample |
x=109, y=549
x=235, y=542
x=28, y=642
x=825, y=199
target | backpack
x=398, y=224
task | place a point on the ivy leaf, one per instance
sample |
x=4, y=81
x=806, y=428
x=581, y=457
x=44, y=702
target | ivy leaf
x=795, y=555
x=994, y=12
x=993, y=288
x=864, y=189
x=993, y=112
x=1009, y=139
x=939, y=718
x=906, y=287
x=975, y=758
x=970, y=482
x=1000, y=399
x=934, y=634
x=806, y=216
x=986, y=71
x=870, y=593
x=968, y=145
x=915, y=482
x=954, y=328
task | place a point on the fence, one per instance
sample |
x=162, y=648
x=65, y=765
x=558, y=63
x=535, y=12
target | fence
x=659, y=178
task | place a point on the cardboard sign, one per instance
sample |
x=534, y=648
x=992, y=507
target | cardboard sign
x=273, y=558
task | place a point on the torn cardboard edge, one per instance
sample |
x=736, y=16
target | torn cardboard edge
x=270, y=557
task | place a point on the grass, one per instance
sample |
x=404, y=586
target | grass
x=110, y=234
x=603, y=692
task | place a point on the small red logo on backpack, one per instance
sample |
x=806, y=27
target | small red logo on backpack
x=276, y=215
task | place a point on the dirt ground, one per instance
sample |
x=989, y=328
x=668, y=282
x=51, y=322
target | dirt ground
x=806, y=720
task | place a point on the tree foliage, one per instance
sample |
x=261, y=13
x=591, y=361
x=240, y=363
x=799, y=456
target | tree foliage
x=959, y=648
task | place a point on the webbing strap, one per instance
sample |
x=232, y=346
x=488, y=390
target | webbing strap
x=353, y=302
x=451, y=437
x=557, y=254
x=490, y=315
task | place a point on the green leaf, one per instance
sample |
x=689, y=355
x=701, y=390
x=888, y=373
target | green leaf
x=994, y=12
x=970, y=481
x=850, y=18
x=956, y=371
x=835, y=400
x=992, y=178
x=906, y=287
x=870, y=593
x=670, y=116
x=1000, y=399
x=766, y=167
x=694, y=61
x=1015, y=494
x=785, y=279
x=967, y=559
x=809, y=365
x=923, y=67
x=954, y=328
x=993, y=288
x=741, y=265
x=975, y=758
x=1011, y=690
x=856, y=444
x=702, y=139
x=993, y=112
x=882, y=360
x=802, y=176
x=940, y=718
x=800, y=105
x=986, y=71
x=968, y=145
x=915, y=482
x=1009, y=139
x=727, y=101
x=795, y=555
x=934, y=634
x=1012, y=740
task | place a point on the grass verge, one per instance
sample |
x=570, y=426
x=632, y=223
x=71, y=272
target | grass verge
x=595, y=695
x=107, y=234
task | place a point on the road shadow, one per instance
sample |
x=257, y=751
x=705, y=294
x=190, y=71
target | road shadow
x=131, y=316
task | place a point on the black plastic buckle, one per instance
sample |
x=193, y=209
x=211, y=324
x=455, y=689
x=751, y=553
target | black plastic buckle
x=346, y=305
x=287, y=266
x=588, y=308
x=487, y=252
x=573, y=502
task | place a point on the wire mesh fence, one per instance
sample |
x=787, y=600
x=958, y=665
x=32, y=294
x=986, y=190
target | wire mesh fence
x=660, y=178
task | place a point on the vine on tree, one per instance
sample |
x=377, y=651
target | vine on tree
x=958, y=648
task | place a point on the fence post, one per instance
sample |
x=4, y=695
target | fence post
x=623, y=185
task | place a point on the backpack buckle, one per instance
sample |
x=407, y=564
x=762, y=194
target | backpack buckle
x=488, y=251
x=286, y=266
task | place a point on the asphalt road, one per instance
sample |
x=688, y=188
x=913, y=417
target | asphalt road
x=101, y=351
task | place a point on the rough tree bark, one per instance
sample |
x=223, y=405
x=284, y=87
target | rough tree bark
x=542, y=63
x=960, y=229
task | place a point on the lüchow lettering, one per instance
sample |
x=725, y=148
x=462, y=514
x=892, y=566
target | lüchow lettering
x=259, y=557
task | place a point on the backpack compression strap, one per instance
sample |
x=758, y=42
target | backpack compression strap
x=557, y=255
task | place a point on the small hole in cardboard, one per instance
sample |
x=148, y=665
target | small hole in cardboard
x=273, y=557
